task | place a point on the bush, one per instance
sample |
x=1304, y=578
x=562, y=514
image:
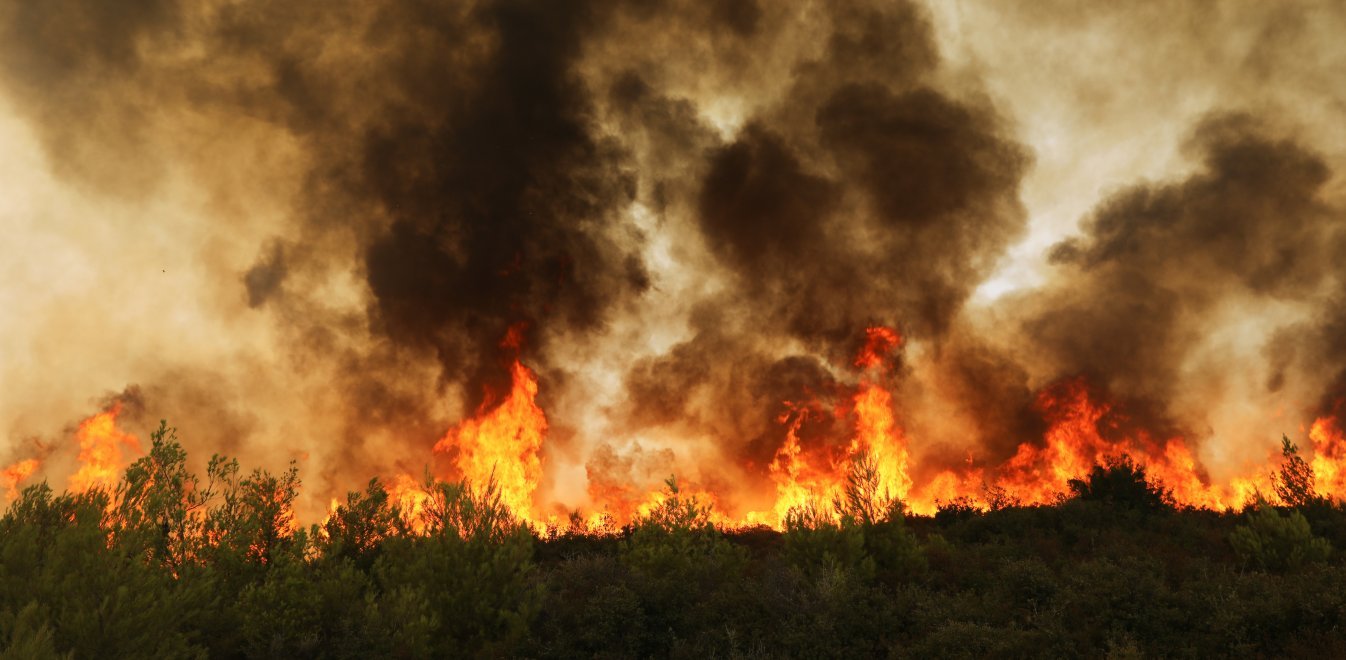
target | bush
x=1122, y=483
x=1275, y=542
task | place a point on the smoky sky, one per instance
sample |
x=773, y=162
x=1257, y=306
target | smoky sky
x=434, y=174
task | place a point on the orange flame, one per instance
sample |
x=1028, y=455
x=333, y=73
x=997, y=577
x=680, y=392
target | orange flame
x=13, y=475
x=502, y=443
x=411, y=499
x=1329, y=453
x=879, y=342
x=814, y=481
x=1074, y=444
x=878, y=435
x=100, y=451
x=799, y=483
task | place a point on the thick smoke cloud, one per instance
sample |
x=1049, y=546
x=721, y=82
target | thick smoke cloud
x=692, y=210
x=1140, y=288
x=864, y=196
x=501, y=198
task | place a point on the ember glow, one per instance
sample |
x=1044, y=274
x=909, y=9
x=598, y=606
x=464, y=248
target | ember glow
x=570, y=251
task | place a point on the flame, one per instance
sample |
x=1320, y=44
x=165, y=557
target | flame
x=879, y=342
x=878, y=435
x=411, y=499
x=502, y=444
x=799, y=483
x=1329, y=453
x=808, y=480
x=100, y=451
x=13, y=475
x=699, y=496
x=1074, y=443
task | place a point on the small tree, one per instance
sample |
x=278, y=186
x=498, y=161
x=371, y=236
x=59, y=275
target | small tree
x=357, y=528
x=466, y=510
x=998, y=498
x=1294, y=483
x=863, y=500
x=677, y=561
x=162, y=505
x=868, y=538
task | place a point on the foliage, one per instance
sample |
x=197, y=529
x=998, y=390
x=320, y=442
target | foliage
x=356, y=530
x=1294, y=483
x=1276, y=542
x=169, y=565
x=467, y=584
x=1122, y=483
x=866, y=535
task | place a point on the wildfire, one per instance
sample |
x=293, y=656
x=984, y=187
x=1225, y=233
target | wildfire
x=1074, y=442
x=502, y=444
x=411, y=499
x=13, y=475
x=878, y=435
x=1329, y=452
x=100, y=451
x=879, y=342
x=808, y=481
x=798, y=483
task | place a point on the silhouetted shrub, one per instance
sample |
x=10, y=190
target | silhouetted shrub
x=1122, y=483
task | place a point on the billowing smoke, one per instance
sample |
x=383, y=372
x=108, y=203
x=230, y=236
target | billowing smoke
x=1156, y=262
x=317, y=221
x=863, y=196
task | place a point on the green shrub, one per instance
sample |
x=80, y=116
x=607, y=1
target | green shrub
x=1276, y=542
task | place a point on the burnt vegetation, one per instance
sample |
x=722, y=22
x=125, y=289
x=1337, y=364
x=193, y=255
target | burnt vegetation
x=169, y=564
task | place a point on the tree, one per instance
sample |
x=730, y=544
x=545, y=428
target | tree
x=100, y=595
x=163, y=504
x=27, y=636
x=1294, y=483
x=357, y=528
x=867, y=536
x=680, y=567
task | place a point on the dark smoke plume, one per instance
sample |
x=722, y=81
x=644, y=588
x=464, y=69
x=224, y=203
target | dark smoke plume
x=697, y=206
x=866, y=196
x=1140, y=288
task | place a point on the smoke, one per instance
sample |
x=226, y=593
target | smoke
x=1154, y=262
x=303, y=230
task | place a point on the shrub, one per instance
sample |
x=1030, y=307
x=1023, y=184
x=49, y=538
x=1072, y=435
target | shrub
x=1275, y=542
x=1122, y=483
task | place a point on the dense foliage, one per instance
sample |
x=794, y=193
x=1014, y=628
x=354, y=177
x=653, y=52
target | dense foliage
x=168, y=566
